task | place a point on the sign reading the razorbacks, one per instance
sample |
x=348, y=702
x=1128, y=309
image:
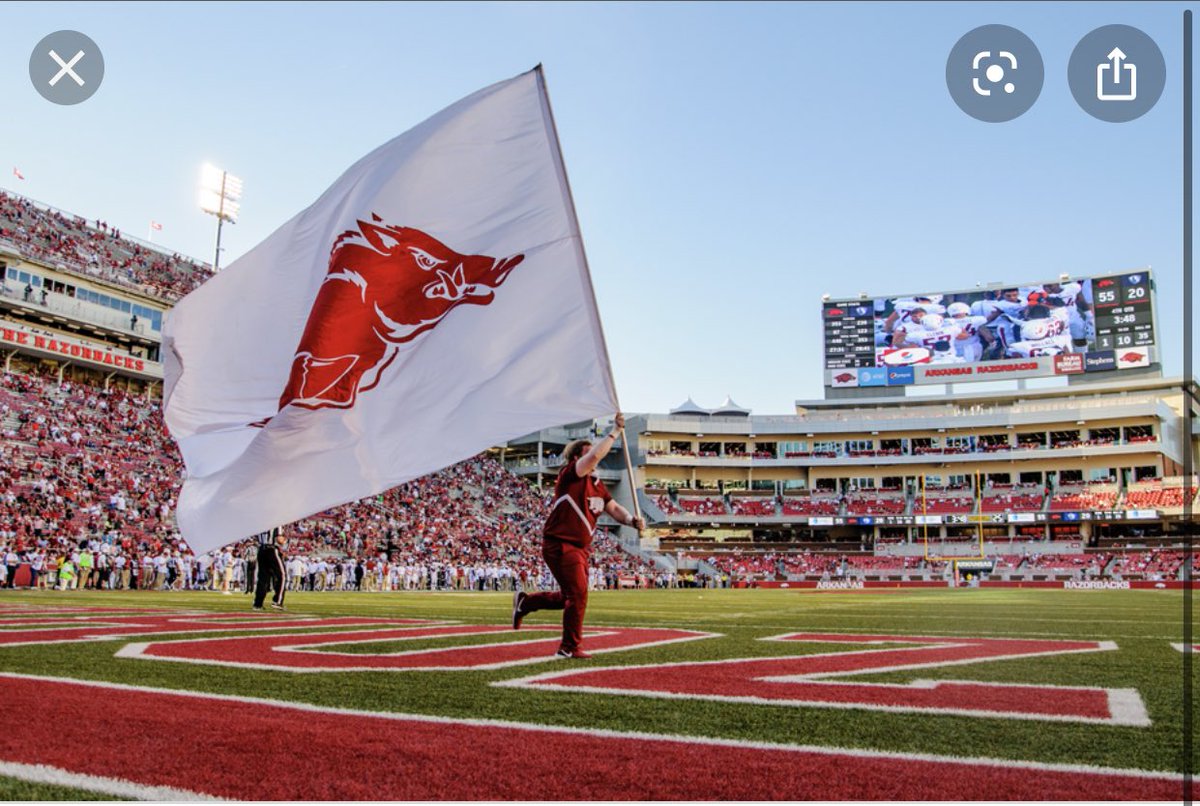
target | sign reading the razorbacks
x=386, y=285
x=61, y=345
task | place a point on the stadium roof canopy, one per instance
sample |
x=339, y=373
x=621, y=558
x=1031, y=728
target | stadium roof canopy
x=689, y=408
x=730, y=409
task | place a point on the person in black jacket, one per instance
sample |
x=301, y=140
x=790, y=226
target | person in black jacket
x=251, y=576
x=271, y=574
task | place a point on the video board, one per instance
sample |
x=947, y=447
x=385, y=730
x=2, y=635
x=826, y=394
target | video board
x=1094, y=324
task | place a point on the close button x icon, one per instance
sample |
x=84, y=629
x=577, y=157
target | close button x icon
x=68, y=68
x=61, y=78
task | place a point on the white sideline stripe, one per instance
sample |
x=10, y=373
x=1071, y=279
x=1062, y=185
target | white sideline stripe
x=1125, y=705
x=966, y=761
x=117, y=787
x=137, y=651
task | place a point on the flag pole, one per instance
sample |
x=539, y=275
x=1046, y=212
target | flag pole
x=587, y=273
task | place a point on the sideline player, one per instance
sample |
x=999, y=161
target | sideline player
x=579, y=500
x=270, y=568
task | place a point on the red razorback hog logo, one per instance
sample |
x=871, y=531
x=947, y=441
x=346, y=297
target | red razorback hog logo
x=386, y=285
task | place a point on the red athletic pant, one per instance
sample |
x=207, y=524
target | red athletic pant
x=569, y=564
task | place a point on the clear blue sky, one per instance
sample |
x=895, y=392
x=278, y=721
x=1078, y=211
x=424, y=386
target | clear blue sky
x=730, y=162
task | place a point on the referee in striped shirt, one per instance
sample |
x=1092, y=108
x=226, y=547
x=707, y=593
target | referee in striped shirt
x=270, y=568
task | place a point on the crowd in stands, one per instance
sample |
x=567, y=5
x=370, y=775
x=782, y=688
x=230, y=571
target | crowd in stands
x=811, y=506
x=1153, y=565
x=1003, y=498
x=1155, y=495
x=95, y=250
x=747, y=566
x=1089, y=497
x=668, y=506
x=993, y=499
x=943, y=501
x=1058, y=562
x=703, y=506
x=759, y=507
x=880, y=504
x=89, y=479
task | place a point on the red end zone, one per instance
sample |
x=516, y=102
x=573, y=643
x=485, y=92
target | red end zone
x=222, y=746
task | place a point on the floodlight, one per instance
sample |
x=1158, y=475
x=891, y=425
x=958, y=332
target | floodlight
x=220, y=195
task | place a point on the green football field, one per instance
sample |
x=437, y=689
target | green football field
x=1071, y=644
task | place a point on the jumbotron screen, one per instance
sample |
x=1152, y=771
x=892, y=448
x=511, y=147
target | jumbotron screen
x=1064, y=327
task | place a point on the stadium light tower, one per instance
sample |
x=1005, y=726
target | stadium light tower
x=220, y=195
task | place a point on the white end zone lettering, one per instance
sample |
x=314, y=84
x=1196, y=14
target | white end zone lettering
x=309, y=652
x=1096, y=585
x=820, y=680
x=840, y=585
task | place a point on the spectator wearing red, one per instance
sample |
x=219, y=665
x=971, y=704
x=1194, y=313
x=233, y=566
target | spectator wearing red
x=579, y=500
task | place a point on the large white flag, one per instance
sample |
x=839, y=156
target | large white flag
x=433, y=302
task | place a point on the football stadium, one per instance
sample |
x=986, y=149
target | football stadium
x=1036, y=536
x=357, y=516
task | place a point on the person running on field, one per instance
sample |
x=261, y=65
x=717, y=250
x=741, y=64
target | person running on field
x=579, y=500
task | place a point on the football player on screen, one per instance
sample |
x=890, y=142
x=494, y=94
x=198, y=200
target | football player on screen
x=909, y=310
x=1043, y=331
x=936, y=334
x=973, y=335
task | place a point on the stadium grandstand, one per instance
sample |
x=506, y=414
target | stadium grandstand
x=1076, y=482
x=89, y=468
x=1029, y=485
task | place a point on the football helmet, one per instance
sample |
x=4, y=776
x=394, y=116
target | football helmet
x=1035, y=329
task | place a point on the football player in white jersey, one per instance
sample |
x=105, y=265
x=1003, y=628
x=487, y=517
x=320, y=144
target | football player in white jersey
x=972, y=334
x=1072, y=299
x=900, y=327
x=906, y=310
x=935, y=334
x=1008, y=302
x=1039, y=338
x=1067, y=292
x=1065, y=297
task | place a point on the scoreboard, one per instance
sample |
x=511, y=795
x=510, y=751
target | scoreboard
x=1123, y=313
x=1095, y=324
x=849, y=335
